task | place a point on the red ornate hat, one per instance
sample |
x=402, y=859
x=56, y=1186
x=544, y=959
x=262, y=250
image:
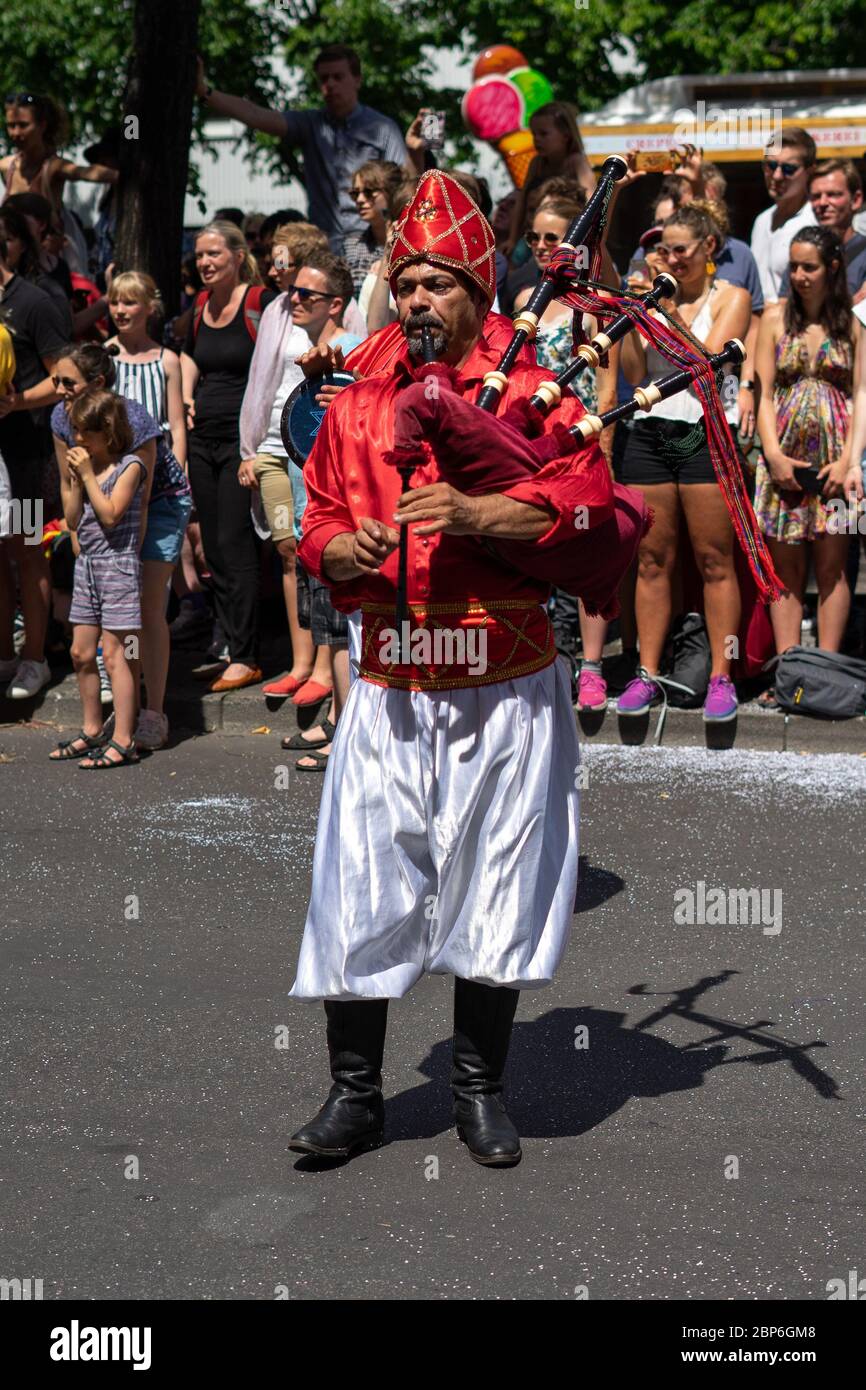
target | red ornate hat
x=443, y=225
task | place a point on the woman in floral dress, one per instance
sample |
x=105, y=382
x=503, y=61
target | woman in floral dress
x=807, y=348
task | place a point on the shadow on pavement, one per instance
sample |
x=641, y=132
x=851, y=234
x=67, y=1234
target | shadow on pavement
x=594, y=885
x=556, y=1088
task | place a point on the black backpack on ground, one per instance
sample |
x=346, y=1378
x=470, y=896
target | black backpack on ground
x=826, y=684
x=689, y=662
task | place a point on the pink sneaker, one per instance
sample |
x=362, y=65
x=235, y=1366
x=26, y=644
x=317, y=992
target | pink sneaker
x=591, y=691
x=639, y=695
x=721, y=702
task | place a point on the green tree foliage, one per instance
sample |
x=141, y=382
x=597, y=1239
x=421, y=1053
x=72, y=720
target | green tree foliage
x=570, y=41
x=78, y=53
x=700, y=36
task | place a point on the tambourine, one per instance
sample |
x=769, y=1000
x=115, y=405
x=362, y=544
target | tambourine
x=302, y=416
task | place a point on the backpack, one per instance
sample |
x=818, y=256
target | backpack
x=826, y=684
x=689, y=661
x=252, y=310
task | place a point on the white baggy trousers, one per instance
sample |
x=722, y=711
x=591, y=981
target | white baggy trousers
x=447, y=839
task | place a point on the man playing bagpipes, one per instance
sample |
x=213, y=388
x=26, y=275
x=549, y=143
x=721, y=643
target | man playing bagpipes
x=447, y=838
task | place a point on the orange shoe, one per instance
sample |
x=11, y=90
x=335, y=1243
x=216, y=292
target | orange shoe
x=237, y=683
x=287, y=686
x=311, y=693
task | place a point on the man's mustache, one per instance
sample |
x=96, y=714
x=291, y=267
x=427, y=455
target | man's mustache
x=426, y=321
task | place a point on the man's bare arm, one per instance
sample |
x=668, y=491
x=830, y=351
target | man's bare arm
x=364, y=551
x=238, y=108
x=442, y=508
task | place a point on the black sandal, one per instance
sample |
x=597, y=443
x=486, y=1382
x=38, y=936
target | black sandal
x=128, y=755
x=295, y=741
x=68, y=753
x=320, y=759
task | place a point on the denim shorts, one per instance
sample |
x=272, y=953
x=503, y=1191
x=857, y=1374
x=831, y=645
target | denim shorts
x=166, y=526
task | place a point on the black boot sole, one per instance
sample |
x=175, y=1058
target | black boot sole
x=492, y=1160
x=362, y=1145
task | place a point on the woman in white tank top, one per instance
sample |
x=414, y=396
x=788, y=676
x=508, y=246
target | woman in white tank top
x=672, y=467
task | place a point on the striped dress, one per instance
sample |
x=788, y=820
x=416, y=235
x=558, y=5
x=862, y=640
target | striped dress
x=145, y=382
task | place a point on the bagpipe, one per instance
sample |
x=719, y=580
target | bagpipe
x=479, y=452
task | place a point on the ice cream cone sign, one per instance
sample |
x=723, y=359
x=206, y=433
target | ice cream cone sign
x=498, y=106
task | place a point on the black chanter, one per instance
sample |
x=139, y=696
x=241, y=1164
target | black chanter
x=588, y=223
x=428, y=354
x=645, y=397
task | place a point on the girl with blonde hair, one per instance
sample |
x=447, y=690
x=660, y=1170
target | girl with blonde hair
x=149, y=374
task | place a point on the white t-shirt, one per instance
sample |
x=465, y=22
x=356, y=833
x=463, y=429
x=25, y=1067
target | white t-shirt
x=770, y=248
x=297, y=344
x=686, y=405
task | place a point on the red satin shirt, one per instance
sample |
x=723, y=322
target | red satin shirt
x=346, y=480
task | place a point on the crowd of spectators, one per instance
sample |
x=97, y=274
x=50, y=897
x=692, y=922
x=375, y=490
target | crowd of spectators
x=151, y=448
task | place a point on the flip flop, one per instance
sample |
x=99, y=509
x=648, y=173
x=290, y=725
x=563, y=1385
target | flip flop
x=297, y=741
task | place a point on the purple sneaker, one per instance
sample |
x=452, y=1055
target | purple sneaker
x=591, y=691
x=639, y=695
x=721, y=702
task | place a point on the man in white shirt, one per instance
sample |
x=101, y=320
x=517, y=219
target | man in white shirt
x=787, y=164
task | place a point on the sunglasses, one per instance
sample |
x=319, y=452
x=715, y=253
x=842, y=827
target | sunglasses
x=789, y=170
x=67, y=382
x=20, y=99
x=368, y=193
x=304, y=295
x=549, y=239
x=681, y=251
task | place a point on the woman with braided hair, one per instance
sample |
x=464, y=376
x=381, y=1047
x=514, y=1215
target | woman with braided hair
x=667, y=458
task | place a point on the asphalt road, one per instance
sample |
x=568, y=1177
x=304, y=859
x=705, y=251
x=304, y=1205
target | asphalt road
x=147, y=1044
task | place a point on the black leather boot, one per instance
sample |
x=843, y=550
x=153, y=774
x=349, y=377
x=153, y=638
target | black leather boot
x=483, y=1016
x=353, y=1117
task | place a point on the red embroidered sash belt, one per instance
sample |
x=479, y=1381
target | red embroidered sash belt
x=449, y=646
